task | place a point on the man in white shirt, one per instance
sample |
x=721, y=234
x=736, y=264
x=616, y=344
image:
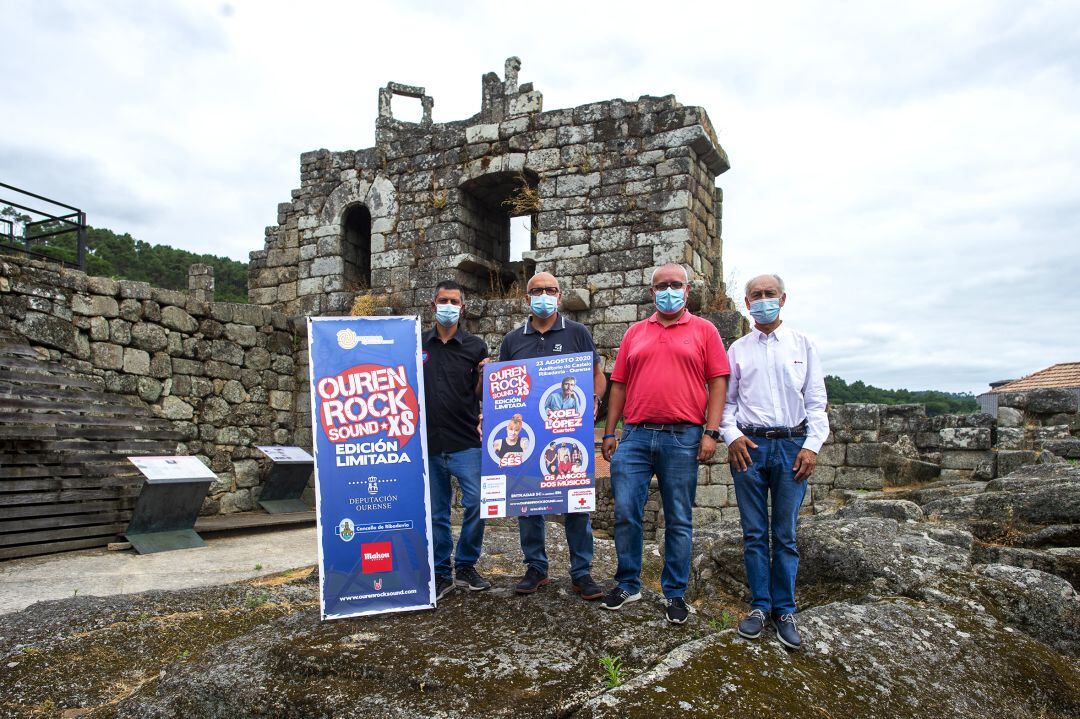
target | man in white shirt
x=774, y=424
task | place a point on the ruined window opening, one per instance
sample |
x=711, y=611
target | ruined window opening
x=407, y=109
x=498, y=218
x=521, y=239
x=356, y=247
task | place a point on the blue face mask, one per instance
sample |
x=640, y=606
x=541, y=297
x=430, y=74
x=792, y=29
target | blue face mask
x=543, y=306
x=670, y=301
x=765, y=311
x=447, y=315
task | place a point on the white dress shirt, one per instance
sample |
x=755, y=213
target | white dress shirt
x=776, y=381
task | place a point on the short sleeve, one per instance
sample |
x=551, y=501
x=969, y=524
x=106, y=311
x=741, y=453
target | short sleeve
x=716, y=359
x=504, y=349
x=621, y=372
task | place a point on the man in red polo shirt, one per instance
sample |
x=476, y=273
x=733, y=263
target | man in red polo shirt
x=670, y=378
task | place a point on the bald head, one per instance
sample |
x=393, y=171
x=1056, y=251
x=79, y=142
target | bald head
x=670, y=271
x=542, y=279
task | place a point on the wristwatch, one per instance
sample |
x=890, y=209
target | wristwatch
x=714, y=433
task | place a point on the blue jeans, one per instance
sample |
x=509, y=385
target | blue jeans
x=465, y=465
x=672, y=457
x=772, y=585
x=533, y=533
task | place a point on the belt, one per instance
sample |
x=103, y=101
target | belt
x=775, y=432
x=677, y=427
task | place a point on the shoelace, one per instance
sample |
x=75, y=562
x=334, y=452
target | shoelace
x=759, y=614
x=788, y=618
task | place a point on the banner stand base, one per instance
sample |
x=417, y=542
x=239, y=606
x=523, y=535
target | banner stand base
x=151, y=542
x=284, y=506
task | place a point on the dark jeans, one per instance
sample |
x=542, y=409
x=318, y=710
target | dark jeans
x=579, y=536
x=772, y=584
x=465, y=465
x=672, y=457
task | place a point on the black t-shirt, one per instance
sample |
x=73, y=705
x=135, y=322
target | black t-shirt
x=450, y=378
x=564, y=337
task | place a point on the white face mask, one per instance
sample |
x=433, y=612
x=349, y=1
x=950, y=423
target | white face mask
x=447, y=315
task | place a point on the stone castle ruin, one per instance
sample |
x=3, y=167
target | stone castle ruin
x=612, y=189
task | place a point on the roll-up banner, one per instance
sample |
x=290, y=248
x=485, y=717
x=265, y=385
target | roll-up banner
x=538, y=437
x=371, y=483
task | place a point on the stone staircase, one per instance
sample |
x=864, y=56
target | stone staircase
x=65, y=482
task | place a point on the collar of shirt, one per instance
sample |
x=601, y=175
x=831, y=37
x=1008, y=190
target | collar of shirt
x=683, y=319
x=433, y=333
x=777, y=335
x=560, y=324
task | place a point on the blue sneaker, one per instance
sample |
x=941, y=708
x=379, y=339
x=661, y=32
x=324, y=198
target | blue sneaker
x=751, y=626
x=787, y=633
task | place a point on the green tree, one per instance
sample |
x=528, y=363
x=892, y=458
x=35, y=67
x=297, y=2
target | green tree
x=840, y=392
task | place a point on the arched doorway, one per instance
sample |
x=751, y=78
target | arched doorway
x=356, y=247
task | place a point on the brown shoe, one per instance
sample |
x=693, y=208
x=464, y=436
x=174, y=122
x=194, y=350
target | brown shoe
x=533, y=580
x=587, y=588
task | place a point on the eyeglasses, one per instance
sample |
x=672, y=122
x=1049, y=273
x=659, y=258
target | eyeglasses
x=661, y=286
x=538, y=291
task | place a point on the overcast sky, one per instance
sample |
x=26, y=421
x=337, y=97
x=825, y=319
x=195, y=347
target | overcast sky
x=911, y=169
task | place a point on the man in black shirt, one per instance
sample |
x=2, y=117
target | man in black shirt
x=451, y=398
x=546, y=333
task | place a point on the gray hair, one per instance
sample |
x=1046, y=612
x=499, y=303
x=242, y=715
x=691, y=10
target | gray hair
x=686, y=272
x=746, y=292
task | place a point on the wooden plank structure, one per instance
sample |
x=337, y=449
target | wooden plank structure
x=65, y=482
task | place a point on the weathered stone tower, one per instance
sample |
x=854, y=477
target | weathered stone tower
x=612, y=189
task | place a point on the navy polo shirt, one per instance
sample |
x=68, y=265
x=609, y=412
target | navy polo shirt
x=564, y=337
x=450, y=379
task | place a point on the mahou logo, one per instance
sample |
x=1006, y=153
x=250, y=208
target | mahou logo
x=368, y=400
x=512, y=381
x=376, y=557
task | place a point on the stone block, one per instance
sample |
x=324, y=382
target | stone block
x=1008, y=461
x=859, y=478
x=965, y=438
x=103, y=286
x=149, y=337
x=855, y=416
x=136, y=361
x=48, y=331
x=248, y=473
x=576, y=300
x=94, y=306
x=176, y=408
x=178, y=319
x=1068, y=448
x=864, y=454
x=105, y=355
x=1010, y=438
x=243, y=335
x=1009, y=417
x=832, y=454
x=130, y=289
x=963, y=459
x=713, y=495
x=281, y=400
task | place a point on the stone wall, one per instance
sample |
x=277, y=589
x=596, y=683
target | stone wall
x=872, y=447
x=222, y=373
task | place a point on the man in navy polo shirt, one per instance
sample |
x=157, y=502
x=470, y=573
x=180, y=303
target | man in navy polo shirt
x=546, y=332
x=452, y=358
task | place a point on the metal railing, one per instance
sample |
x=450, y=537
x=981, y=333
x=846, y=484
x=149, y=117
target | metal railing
x=48, y=224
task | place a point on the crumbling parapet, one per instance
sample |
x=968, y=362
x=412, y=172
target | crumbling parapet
x=201, y=282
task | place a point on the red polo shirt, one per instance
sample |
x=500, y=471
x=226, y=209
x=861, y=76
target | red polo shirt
x=665, y=369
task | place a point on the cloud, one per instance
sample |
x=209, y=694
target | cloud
x=910, y=173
